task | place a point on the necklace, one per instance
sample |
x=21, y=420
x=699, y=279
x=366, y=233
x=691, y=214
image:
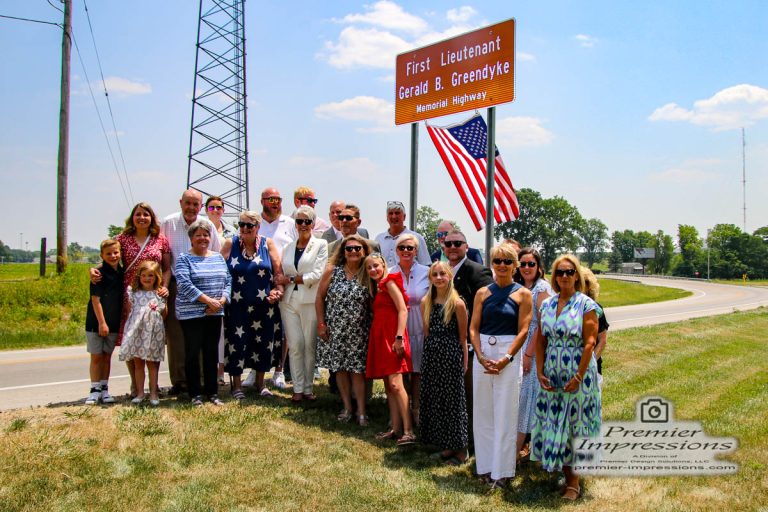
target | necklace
x=244, y=252
x=349, y=273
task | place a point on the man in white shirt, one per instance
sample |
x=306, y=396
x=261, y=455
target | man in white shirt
x=306, y=196
x=174, y=227
x=280, y=228
x=387, y=240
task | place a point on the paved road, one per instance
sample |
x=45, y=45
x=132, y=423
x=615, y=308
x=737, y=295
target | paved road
x=57, y=375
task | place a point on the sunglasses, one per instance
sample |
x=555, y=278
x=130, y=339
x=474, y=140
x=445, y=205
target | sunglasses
x=396, y=205
x=249, y=225
x=442, y=234
x=347, y=218
x=506, y=261
x=353, y=248
x=215, y=208
x=529, y=264
x=408, y=248
x=272, y=200
x=303, y=222
x=310, y=200
x=454, y=243
x=568, y=272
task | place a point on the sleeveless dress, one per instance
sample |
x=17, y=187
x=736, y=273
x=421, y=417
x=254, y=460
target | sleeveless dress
x=348, y=316
x=251, y=324
x=382, y=358
x=443, y=407
x=561, y=416
x=144, y=334
x=529, y=389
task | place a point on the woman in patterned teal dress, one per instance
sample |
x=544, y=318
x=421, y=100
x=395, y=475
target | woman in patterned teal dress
x=568, y=404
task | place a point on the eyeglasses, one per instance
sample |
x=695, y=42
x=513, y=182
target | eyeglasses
x=395, y=205
x=454, y=243
x=272, y=200
x=529, y=264
x=442, y=234
x=249, y=225
x=408, y=248
x=353, y=248
x=506, y=261
x=215, y=208
x=310, y=200
x=567, y=272
x=346, y=218
x=303, y=222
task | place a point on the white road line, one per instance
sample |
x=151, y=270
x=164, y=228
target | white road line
x=60, y=383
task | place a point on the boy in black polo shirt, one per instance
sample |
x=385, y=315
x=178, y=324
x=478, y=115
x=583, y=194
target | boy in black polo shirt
x=102, y=322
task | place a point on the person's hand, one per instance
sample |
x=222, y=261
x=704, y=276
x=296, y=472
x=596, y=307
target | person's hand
x=162, y=291
x=546, y=385
x=274, y=296
x=399, y=347
x=95, y=275
x=103, y=330
x=572, y=385
x=281, y=279
x=466, y=364
x=214, y=306
x=527, y=364
x=153, y=305
x=489, y=365
x=322, y=331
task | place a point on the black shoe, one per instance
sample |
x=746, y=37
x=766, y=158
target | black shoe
x=177, y=389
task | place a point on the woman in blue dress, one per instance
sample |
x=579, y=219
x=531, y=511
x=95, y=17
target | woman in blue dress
x=499, y=326
x=252, y=320
x=568, y=404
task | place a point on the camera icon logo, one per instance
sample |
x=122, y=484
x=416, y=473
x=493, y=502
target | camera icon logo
x=654, y=410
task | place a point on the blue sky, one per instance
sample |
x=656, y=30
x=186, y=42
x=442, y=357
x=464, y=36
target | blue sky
x=631, y=111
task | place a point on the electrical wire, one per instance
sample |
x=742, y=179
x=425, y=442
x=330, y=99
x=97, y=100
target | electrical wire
x=101, y=122
x=49, y=3
x=109, y=103
x=33, y=21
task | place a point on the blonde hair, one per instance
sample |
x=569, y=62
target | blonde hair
x=450, y=295
x=573, y=260
x=365, y=280
x=109, y=242
x=153, y=267
x=591, y=284
x=302, y=192
x=505, y=250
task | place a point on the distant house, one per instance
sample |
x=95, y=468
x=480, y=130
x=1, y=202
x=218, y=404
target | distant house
x=632, y=268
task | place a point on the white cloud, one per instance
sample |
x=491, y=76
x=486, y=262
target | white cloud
x=126, y=87
x=388, y=15
x=365, y=48
x=377, y=112
x=512, y=132
x=525, y=57
x=689, y=172
x=728, y=109
x=585, y=40
x=460, y=15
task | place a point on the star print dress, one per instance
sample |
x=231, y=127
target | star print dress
x=251, y=324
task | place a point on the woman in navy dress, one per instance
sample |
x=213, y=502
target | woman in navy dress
x=252, y=320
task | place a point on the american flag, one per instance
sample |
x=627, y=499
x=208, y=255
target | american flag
x=463, y=150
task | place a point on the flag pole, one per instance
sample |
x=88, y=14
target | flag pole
x=490, y=172
x=414, y=173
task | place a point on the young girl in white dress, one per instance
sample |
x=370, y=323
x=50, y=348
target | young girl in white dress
x=144, y=334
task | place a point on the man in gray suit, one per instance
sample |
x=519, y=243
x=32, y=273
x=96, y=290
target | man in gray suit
x=350, y=221
x=334, y=232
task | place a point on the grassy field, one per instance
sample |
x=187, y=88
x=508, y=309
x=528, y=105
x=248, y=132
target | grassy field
x=614, y=292
x=269, y=455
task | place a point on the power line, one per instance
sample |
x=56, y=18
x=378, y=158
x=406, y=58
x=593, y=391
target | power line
x=49, y=3
x=33, y=21
x=109, y=103
x=101, y=122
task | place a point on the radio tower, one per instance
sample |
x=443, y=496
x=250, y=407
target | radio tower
x=218, y=141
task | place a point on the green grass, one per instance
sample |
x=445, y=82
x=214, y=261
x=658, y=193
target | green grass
x=740, y=282
x=42, y=312
x=270, y=455
x=615, y=292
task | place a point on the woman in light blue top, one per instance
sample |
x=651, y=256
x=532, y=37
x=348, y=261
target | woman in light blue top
x=203, y=290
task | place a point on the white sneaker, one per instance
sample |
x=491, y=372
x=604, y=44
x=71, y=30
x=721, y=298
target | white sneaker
x=106, y=398
x=93, y=398
x=278, y=380
x=250, y=380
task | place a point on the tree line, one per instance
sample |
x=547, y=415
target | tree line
x=554, y=226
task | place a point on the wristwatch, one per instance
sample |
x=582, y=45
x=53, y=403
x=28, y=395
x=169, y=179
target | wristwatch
x=399, y=338
x=509, y=357
x=292, y=279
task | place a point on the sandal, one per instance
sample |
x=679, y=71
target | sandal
x=571, y=493
x=501, y=483
x=390, y=434
x=362, y=420
x=215, y=400
x=407, y=440
x=266, y=392
x=197, y=401
x=309, y=397
x=344, y=416
x=238, y=395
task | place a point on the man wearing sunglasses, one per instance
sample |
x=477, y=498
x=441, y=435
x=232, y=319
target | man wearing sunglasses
x=388, y=239
x=280, y=228
x=350, y=225
x=334, y=232
x=306, y=196
x=439, y=255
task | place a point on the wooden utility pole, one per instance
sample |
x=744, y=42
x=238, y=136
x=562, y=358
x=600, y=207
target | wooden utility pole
x=63, y=165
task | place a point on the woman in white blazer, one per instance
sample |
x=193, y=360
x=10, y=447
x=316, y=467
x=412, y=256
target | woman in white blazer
x=303, y=263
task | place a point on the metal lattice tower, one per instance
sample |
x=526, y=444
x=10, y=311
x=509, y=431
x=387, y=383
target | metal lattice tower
x=218, y=141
